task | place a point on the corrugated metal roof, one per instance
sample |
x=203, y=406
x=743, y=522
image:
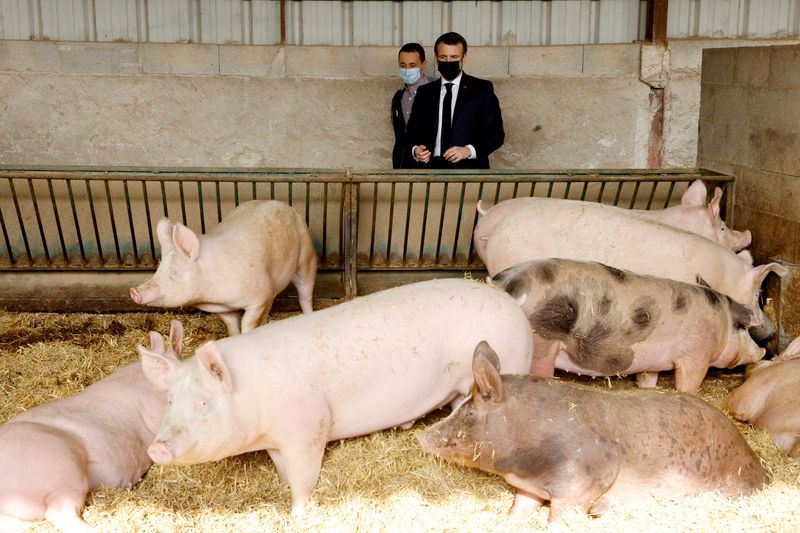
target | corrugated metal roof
x=374, y=22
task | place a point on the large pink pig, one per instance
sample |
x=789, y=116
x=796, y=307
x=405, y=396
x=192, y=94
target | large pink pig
x=597, y=320
x=242, y=263
x=53, y=455
x=588, y=448
x=372, y=363
x=692, y=215
x=594, y=232
x=769, y=399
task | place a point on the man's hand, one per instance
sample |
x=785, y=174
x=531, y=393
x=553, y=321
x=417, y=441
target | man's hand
x=422, y=154
x=454, y=154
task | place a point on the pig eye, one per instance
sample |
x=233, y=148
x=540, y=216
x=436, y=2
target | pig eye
x=201, y=406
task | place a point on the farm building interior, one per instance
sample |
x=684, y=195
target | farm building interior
x=118, y=112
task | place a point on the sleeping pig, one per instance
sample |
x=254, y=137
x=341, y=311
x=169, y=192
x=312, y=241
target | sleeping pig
x=769, y=399
x=597, y=320
x=53, y=455
x=242, y=263
x=579, y=446
x=371, y=363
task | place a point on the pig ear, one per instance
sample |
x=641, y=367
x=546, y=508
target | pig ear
x=156, y=342
x=486, y=369
x=157, y=368
x=210, y=359
x=164, y=233
x=713, y=205
x=791, y=352
x=481, y=210
x=186, y=241
x=757, y=274
x=176, y=337
x=745, y=315
x=695, y=194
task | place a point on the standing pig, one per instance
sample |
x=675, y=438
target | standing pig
x=596, y=320
x=594, y=232
x=242, y=263
x=574, y=445
x=372, y=363
x=769, y=399
x=692, y=215
x=53, y=455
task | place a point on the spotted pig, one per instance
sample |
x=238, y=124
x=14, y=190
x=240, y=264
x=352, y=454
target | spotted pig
x=597, y=320
x=579, y=446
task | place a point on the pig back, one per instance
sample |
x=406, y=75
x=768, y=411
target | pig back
x=384, y=359
x=595, y=232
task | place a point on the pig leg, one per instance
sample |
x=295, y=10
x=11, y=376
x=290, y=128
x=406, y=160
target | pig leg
x=64, y=510
x=303, y=464
x=275, y=455
x=782, y=423
x=524, y=505
x=647, y=380
x=303, y=279
x=231, y=320
x=689, y=374
x=252, y=316
x=544, y=356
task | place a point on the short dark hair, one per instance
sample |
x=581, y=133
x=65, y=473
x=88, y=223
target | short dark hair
x=451, y=38
x=413, y=47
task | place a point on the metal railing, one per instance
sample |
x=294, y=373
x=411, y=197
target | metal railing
x=103, y=219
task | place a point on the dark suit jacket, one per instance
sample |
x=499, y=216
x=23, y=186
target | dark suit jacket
x=399, y=123
x=476, y=120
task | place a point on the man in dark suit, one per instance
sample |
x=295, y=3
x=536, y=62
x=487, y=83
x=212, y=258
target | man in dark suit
x=455, y=121
x=411, y=59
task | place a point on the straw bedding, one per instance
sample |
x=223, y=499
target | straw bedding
x=380, y=482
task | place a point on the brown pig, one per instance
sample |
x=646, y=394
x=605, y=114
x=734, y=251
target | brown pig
x=573, y=445
x=596, y=320
x=769, y=399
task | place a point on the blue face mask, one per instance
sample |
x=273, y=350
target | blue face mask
x=410, y=75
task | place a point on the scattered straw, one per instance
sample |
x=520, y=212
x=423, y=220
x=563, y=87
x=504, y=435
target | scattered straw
x=380, y=482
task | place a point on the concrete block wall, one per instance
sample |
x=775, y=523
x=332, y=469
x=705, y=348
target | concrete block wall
x=750, y=127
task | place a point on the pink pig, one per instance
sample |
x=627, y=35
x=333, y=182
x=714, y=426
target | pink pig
x=291, y=386
x=692, y=215
x=53, y=455
x=594, y=232
x=596, y=320
x=242, y=263
x=769, y=399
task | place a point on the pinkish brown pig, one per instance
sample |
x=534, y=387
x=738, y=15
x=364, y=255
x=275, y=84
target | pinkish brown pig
x=53, y=455
x=769, y=399
x=242, y=263
x=291, y=386
x=692, y=215
x=592, y=319
x=578, y=446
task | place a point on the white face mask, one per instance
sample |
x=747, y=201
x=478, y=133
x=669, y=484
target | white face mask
x=410, y=75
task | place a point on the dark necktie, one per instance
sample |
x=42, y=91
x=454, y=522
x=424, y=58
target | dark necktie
x=446, y=120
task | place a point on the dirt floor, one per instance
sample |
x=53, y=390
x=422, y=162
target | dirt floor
x=381, y=482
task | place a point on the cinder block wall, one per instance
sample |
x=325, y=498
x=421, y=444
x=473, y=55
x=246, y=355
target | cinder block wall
x=750, y=127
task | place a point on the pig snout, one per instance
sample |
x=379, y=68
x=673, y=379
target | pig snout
x=160, y=454
x=144, y=294
x=135, y=296
x=743, y=239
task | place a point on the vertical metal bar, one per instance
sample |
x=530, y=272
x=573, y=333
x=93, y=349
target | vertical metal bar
x=372, y=226
x=202, y=208
x=164, y=198
x=130, y=222
x=271, y=190
x=441, y=225
x=635, y=194
x=514, y=191
x=471, y=252
x=149, y=220
x=20, y=220
x=566, y=190
x=408, y=221
x=94, y=222
x=351, y=236
x=424, y=221
x=325, y=222
x=496, y=193
x=391, y=226
x=308, y=203
x=9, y=252
x=619, y=192
x=236, y=194
x=39, y=221
x=58, y=221
x=291, y=200
x=183, y=202
x=652, y=194
x=458, y=222
x=533, y=189
x=550, y=189
x=669, y=194
x=254, y=191
x=113, y=222
x=583, y=191
x=219, y=202
x=600, y=194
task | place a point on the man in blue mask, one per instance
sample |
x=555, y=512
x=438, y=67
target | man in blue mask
x=456, y=120
x=412, y=71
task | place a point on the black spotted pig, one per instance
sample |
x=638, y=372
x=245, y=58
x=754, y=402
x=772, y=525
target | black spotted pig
x=574, y=445
x=769, y=399
x=53, y=455
x=242, y=263
x=596, y=320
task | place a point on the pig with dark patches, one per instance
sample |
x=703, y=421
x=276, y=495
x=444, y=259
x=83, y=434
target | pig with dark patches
x=53, y=455
x=578, y=446
x=769, y=399
x=240, y=264
x=597, y=320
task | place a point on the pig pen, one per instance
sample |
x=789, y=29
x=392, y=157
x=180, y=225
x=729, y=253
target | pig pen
x=75, y=239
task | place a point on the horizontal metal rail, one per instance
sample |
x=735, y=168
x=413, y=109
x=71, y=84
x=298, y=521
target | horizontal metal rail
x=103, y=219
